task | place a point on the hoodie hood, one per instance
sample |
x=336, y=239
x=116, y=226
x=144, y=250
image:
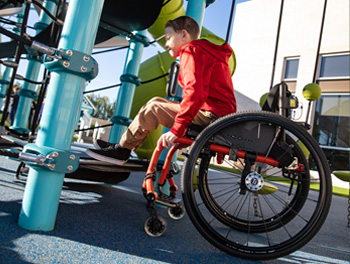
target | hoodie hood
x=221, y=52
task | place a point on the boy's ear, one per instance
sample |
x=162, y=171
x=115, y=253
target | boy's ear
x=185, y=34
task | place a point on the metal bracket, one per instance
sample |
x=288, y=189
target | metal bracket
x=34, y=56
x=139, y=38
x=4, y=82
x=73, y=62
x=53, y=159
x=28, y=93
x=131, y=79
x=121, y=120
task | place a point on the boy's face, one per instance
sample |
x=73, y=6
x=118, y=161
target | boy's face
x=175, y=41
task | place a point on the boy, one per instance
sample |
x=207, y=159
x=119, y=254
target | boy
x=207, y=93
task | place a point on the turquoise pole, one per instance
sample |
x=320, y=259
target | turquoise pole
x=6, y=76
x=127, y=90
x=33, y=69
x=4, y=84
x=60, y=116
x=24, y=104
x=195, y=9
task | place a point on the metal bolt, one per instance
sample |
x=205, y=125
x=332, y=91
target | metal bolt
x=40, y=160
x=86, y=58
x=83, y=68
x=69, y=52
x=66, y=64
x=70, y=168
x=55, y=154
x=72, y=157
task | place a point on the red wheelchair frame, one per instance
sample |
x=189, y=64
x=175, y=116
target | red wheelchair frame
x=181, y=143
x=155, y=223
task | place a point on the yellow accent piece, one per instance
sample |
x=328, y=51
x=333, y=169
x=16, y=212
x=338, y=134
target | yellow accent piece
x=263, y=99
x=292, y=103
x=342, y=175
x=303, y=148
x=268, y=188
x=312, y=92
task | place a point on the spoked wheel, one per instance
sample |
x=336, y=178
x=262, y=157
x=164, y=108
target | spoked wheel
x=258, y=184
x=270, y=194
x=155, y=227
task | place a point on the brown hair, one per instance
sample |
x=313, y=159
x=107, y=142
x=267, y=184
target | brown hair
x=16, y=87
x=187, y=23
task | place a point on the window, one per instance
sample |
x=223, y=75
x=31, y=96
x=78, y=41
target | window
x=331, y=128
x=335, y=66
x=334, y=73
x=291, y=69
x=290, y=73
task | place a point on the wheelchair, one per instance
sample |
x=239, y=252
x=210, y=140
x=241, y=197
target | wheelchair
x=256, y=185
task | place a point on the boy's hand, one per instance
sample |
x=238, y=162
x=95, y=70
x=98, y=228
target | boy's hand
x=167, y=140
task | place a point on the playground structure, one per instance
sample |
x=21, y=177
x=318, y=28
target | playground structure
x=268, y=148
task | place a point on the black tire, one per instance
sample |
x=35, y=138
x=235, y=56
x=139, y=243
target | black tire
x=267, y=222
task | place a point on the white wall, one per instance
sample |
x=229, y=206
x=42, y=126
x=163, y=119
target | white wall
x=336, y=33
x=254, y=35
x=253, y=41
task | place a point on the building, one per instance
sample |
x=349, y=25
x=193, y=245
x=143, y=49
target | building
x=299, y=42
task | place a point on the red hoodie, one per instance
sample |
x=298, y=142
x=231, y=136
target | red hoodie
x=206, y=81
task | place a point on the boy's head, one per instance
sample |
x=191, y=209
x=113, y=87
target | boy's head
x=179, y=32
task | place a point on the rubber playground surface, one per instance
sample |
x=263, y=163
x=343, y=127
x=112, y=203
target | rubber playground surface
x=103, y=223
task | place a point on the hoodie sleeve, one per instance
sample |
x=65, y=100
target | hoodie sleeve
x=195, y=71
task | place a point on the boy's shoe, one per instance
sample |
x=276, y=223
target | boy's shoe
x=10, y=7
x=101, y=144
x=113, y=154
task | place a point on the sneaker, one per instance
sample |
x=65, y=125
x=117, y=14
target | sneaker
x=113, y=154
x=101, y=144
x=10, y=7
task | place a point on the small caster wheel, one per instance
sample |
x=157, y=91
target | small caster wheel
x=176, y=213
x=174, y=168
x=155, y=227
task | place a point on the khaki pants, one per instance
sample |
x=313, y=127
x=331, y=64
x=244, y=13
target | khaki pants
x=157, y=111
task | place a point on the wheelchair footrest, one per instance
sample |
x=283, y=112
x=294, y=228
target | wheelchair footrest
x=168, y=201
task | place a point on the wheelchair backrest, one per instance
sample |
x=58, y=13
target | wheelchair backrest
x=280, y=100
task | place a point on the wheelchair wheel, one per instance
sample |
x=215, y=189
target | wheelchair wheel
x=296, y=196
x=270, y=194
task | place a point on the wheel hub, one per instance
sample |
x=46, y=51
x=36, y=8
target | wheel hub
x=254, y=181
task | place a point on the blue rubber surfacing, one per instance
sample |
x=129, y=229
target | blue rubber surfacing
x=103, y=223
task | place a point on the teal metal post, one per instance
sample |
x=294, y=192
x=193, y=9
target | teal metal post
x=34, y=64
x=6, y=76
x=60, y=115
x=195, y=9
x=4, y=84
x=129, y=81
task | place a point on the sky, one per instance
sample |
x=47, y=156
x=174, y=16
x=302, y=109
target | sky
x=111, y=64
